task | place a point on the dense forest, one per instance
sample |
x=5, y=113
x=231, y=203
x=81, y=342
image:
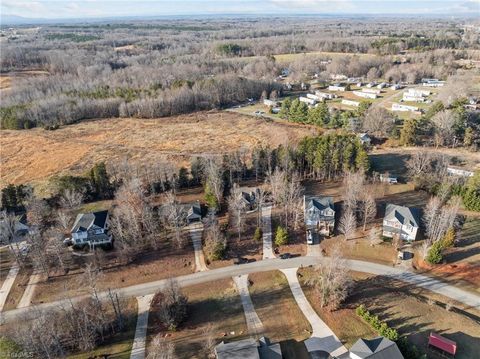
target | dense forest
x=161, y=68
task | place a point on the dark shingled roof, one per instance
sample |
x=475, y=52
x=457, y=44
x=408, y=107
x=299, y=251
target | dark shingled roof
x=376, y=348
x=241, y=349
x=85, y=221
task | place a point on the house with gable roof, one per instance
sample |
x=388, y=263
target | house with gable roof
x=400, y=221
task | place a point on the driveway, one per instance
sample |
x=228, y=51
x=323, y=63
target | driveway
x=140, y=341
x=254, y=324
x=267, y=232
x=27, y=296
x=196, y=232
x=470, y=299
x=322, y=338
x=7, y=285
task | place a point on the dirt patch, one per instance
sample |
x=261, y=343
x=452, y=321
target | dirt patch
x=35, y=155
x=8, y=79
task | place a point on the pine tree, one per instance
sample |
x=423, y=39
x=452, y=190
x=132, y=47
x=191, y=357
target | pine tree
x=408, y=132
x=281, y=237
x=285, y=109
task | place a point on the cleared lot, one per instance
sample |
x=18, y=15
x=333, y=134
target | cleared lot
x=35, y=155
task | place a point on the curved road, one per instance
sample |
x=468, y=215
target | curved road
x=467, y=298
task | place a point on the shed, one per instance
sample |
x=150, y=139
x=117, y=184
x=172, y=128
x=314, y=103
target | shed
x=437, y=341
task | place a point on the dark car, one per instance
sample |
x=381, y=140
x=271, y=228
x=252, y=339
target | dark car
x=239, y=260
x=285, y=256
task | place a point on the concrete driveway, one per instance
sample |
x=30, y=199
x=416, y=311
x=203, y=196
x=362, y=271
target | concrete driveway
x=267, y=232
x=322, y=338
x=140, y=340
x=196, y=233
x=254, y=324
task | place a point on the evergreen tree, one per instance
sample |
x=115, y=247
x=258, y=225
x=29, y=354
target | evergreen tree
x=319, y=115
x=281, y=236
x=409, y=132
x=285, y=108
x=100, y=181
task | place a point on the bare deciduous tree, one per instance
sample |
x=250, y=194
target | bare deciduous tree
x=237, y=208
x=378, y=121
x=348, y=223
x=71, y=198
x=176, y=216
x=331, y=280
x=161, y=348
x=368, y=208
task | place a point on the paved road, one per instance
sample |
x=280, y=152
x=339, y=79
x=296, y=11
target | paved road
x=469, y=299
x=267, y=232
x=196, y=231
x=27, y=296
x=254, y=324
x=139, y=342
x=322, y=338
x=7, y=285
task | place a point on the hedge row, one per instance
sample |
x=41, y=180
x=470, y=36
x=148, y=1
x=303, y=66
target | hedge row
x=381, y=327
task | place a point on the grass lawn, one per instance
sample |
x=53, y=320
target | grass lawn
x=276, y=307
x=152, y=265
x=413, y=311
x=119, y=345
x=216, y=304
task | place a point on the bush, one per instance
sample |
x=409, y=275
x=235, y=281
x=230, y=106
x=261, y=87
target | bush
x=381, y=327
x=281, y=237
x=434, y=255
x=258, y=234
x=449, y=238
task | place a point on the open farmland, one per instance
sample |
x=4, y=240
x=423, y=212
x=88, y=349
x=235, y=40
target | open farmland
x=35, y=155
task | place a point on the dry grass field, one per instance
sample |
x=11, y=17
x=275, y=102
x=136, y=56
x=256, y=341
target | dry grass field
x=10, y=78
x=32, y=156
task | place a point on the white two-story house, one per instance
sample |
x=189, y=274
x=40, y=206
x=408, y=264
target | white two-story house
x=403, y=222
x=91, y=229
x=319, y=214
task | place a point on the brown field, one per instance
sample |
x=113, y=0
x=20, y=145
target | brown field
x=32, y=156
x=8, y=79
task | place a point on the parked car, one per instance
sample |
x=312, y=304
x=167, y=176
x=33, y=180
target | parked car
x=309, y=237
x=285, y=256
x=239, y=260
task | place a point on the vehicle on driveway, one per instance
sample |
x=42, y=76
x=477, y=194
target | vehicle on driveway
x=240, y=260
x=285, y=256
x=309, y=236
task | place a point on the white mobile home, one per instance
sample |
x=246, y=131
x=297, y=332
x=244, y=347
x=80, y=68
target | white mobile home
x=382, y=85
x=459, y=172
x=410, y=98
x=365, y=94
x=314, y=97
x=418, y=93
x=350, y=103
x=370, y=90
x=403, y=108
x=325, y=95
x=396, y=87
x=337, y=87
x=307, y=100
x=434, y=84
x=270, y=103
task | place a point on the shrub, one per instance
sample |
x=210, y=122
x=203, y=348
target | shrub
x=281, y=237
x=258, y=234
x=449, y=238
x=434, y=255
x=381, y=327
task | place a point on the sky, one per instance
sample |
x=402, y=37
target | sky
x=62, y=9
